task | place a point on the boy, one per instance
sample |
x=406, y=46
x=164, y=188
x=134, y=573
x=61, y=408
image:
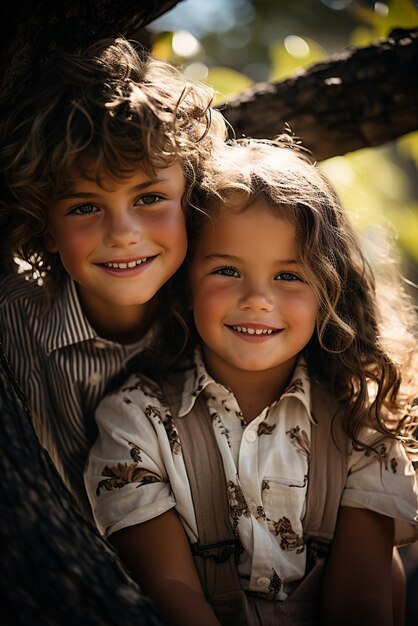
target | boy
x=95, y=166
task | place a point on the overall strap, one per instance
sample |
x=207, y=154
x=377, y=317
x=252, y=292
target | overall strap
x=328, y=466
x=217, y=549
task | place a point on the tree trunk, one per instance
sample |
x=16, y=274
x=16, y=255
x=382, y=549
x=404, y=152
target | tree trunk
x=30, y=30
x=55, y=568
x=359, y=98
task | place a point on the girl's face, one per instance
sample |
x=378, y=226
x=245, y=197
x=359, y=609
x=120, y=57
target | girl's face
x=252, y=307
x=120, y=241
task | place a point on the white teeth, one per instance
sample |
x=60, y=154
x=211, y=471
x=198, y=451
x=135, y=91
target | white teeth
x=124, y=266
x=253, y=331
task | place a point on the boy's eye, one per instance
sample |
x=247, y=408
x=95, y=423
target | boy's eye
x=227, y=271
x=149, y=199
x=83, y=209
x=287, y=277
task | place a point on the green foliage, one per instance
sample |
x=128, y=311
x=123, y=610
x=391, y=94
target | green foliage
x=294, y=54
x=226, y=82
x=379, y=21
x=377, y=191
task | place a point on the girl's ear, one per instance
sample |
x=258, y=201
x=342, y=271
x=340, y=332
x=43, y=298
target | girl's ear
x=50, y=243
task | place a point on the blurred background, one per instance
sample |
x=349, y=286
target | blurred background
x=231, y=44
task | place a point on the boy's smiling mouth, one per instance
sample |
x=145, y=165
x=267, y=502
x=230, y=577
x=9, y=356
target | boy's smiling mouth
x=123, y=265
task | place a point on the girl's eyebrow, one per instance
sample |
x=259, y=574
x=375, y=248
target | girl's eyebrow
x=225, y=257
x=230, y=257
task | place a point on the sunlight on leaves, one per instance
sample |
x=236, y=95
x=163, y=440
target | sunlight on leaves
x=163, y=47
x=285, y=59
x=226, y=82
x=376, y=192
x=408, y=146
x=400, y=14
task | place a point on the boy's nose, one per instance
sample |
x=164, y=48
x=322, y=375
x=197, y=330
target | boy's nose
x=122, y=230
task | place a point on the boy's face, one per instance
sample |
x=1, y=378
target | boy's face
x=251, y=305
x=121, y=241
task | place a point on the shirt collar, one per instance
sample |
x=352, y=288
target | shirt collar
x=67, y=323
x=198, y=379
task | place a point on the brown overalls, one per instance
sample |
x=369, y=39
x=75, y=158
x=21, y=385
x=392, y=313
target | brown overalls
x=217, y=550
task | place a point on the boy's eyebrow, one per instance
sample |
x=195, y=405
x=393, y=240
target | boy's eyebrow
x=90, y=194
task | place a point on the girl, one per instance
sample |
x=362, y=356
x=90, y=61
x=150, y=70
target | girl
x=95, y=165
x=295, y=386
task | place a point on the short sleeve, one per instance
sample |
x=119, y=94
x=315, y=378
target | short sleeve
x=125, y=476
x=387, y=486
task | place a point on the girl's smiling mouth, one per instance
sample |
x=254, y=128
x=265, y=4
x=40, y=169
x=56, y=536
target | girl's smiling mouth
x=254, y=330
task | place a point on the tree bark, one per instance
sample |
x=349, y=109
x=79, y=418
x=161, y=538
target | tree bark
x=359, y=98
x=55, y=568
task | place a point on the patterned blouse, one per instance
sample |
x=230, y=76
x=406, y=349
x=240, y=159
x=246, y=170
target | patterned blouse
x=136, y=472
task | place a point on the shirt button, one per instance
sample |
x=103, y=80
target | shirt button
x=99, y=344
x=251, y=436
x=263, y=582
x=95, y=378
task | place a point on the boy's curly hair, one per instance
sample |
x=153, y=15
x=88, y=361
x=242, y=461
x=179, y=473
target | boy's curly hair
x=115, y=105
x=363, y=346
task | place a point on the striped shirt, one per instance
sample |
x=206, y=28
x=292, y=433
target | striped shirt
x=63, y=366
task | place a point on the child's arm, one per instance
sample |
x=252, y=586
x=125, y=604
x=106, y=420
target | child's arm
x=158, y=555
x=357, y=586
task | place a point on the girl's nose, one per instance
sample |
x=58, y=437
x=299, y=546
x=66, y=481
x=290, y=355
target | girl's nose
x=122, y=229
x=256, y=298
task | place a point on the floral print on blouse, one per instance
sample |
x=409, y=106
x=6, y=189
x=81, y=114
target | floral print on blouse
x=136, y=472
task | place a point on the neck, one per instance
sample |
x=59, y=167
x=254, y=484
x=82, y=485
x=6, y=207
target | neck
x=254, y=390
x=127, y=328
x=255, y=395
x=123, y=324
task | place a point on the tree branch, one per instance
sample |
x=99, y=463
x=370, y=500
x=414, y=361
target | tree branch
x=359, y=98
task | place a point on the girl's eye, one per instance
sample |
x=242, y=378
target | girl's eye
x=227, y=271
x=149, y=199
x=84, y=209
x=288, y=277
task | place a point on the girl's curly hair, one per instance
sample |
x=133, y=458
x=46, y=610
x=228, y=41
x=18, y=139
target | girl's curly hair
x=115, y=105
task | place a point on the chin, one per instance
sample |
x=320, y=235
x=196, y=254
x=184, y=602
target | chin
x=254, y=366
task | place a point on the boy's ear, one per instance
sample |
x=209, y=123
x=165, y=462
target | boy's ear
x=50, y=243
